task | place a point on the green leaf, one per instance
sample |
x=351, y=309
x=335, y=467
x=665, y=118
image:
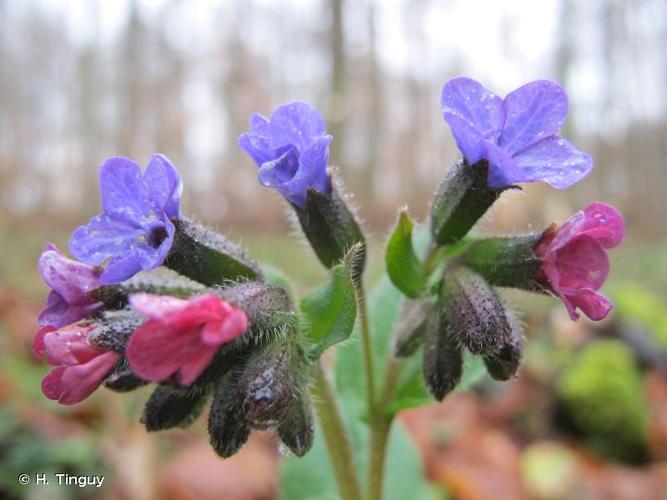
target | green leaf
x=403, y=267
x=330, y=311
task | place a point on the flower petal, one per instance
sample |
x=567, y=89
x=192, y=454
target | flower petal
x=603, y=223
x=276, y=173
x=468, y=100
x=503, y=170
x=257, y=147
x=230, y=328
x=593, y=304
x=165, y=186
x=259, y=125
x=533, y=112
x=156, y=306
x=469, y=140
x=312, y=173
x=69, y=278
x=124, y=192
x=72, y=384
x=580, y=264
x=192, y=368
x=298, y=124
x=555, y=161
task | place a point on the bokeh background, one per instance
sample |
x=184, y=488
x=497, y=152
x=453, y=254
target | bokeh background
x=82, y=80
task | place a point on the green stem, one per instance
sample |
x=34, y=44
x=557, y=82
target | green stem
x=335, y=436
x=380, y=427
x=367, y=347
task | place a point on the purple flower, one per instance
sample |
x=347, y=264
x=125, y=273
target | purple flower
x=134, y=231
x=291, y=150
x=574, y=259
x=70, y=281
x=517, y=135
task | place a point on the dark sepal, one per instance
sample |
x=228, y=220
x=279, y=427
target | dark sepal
x=462, y=198
x=473, y=311
x=169, y=407
x=113, y=330
x=227, y=428
x=509, y=262
x=122, y=379
x=443, y=360
x=161, y=282
x=297, y=430
x=330, y=227
x=205, y=256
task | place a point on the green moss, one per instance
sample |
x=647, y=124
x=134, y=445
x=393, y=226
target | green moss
x=602, y=396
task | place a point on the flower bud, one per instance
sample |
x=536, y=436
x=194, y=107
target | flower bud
x=297, y=429
x=505, y=363
x=268, y=384
x=330, y=227
x=227, y=427
x=462, y=198
x=169, y=407
x=122, y=379
x=473, y=311
x=443, y=360
x=207, y=257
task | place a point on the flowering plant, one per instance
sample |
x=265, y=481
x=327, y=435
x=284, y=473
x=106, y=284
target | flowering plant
x=225, y=329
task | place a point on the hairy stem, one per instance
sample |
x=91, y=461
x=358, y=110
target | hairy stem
x=335, y=436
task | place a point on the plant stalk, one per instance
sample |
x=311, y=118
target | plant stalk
x=335, y=435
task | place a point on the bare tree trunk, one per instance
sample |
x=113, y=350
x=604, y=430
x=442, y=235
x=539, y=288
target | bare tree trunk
x=338, y=87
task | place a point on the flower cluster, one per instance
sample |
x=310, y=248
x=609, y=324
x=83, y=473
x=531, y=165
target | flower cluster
x=214, y=327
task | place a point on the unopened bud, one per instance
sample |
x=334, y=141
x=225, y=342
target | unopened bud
x=443, y=361
x=227, y=427
x=268, y=384
x=473, y=311
x=297, y=429
x=169, y=407
x=505, y=363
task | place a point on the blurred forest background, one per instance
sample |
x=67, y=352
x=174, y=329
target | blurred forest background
x=82, y=80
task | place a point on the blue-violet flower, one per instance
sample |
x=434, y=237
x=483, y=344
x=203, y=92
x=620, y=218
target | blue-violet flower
x=517, y=135
x=134, y=231
x=291, y=150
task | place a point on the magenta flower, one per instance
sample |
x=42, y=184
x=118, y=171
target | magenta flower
x=181, y=336
x=291, y=150
x=81, y=368
x=70, y=282
x=517, y=135
x=574, y=262
x=134, y=231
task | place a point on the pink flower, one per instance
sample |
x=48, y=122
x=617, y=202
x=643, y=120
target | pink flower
x=81, y=368
x=574, y=262
x=70, y=281
x=181, y=335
